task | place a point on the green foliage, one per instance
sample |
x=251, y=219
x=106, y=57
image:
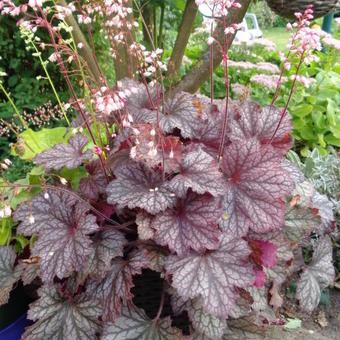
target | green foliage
x=265, y=16
x=38, y=141
x=22, y=68
x=316, y=110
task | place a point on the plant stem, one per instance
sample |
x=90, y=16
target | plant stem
x=51, y=82
x=19, y=115
x=226, y=75
x=160, y=307
x=289, y=98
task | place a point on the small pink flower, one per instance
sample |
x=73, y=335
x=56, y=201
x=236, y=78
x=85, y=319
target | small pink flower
x=97, y=150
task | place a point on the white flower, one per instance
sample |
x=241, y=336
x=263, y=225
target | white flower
x=80, y=45
x=63, y=181
x=133, y=152
x=31, y=219
x=7, y=211
x=211, y=40
x=35, y=3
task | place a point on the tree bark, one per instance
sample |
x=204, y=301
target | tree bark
x=125, y=64
x=194, y=79
x=148, y=30
x=182, y=39
x=85, y=52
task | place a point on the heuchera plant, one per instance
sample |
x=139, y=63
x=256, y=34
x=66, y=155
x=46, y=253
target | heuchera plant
x=204, y=198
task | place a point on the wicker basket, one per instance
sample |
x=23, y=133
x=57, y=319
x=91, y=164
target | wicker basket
x=287, y=8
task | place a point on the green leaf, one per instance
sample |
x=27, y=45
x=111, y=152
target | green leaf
x=307, y=133
x=331, y=106
x=5, y=232
x=335, y=130
x=35, y=142
x=319, y=119
x=293, y=324
x=74, y=175
x=330, y=139
x=22, y=241
x=312, y=100
x=302, y=110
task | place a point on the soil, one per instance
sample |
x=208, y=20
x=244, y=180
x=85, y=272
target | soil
x=323, y=324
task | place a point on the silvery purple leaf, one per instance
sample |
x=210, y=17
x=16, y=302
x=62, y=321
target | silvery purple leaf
x=200, y=172
x=143, y=221
x=63, y=226
x=94, y=184
x=114, y=290
x=305, y=191
x=183, y=112
x=138, y=100
x=156, y=256
x=250, y=120
x=133, y=324
x=205, y=323
x=214, y=275
x=136, y=186
x=8, y=274
x=325, y=210
x=300, y=222
x=308, y=291
x=259, y=296
x=256, y=185
x=316, y=276
x=58, y=317
x=107, y=245
x=70, y=155
x=192, y=224
x=295, y=173
x=29, y=271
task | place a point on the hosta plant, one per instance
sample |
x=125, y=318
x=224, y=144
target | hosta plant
x=191, y=190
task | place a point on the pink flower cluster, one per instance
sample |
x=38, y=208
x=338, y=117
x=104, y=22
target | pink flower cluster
x=262, y=66
x=271, y=81
x=305, y=40
x=267, y=81
x=268, y=45
x=7, y=7
x=221, y=7
x=108, y=101
x=329, y=41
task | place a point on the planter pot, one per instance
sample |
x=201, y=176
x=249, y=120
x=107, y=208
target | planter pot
x=287, y=8
x=13, y=315
x=15, y=329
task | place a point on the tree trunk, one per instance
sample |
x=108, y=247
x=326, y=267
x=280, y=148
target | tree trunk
x=194, y=79
x=182, y=39
x=147, y=13
x=86, y=53
x=125, y=64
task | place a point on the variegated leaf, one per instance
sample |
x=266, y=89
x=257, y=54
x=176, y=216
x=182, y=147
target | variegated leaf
x=214, y=275
x=137, y=186
x=70, y=155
